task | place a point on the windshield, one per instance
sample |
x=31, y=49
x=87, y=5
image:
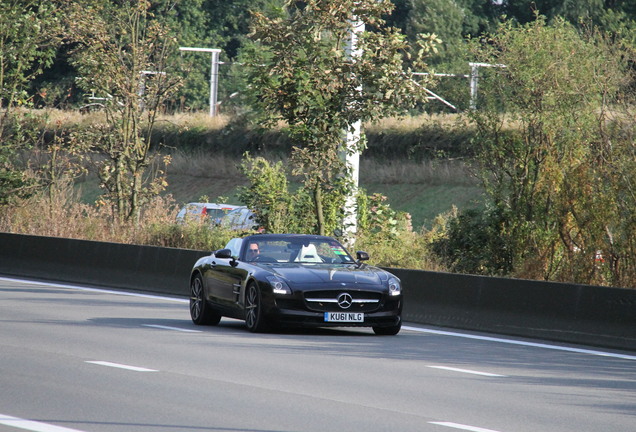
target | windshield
x=296, y=251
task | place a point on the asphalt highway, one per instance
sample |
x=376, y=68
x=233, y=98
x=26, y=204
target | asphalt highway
x=80, y=359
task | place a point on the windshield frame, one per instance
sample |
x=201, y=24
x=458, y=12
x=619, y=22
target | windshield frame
x=295, y=249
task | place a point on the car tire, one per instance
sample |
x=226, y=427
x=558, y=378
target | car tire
x=200, y=310
x=255, y=320
x=388, y=331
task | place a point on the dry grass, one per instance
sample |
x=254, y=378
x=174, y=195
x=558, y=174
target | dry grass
x=412, y=123
x=202, y=120
x=64, y=216
x=198, y=120
x=75, y=118
x=202, y=164
x=428, y=172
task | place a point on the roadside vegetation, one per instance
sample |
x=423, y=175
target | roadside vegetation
x=544, y=153
x=75, y=210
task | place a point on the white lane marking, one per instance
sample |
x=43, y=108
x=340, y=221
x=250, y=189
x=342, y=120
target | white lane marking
x=171, y=328
x=523, y=343
x=132, y=294
x=468, y=371
x=30, y=425
x=122, y=366
x=99, y=290
x=462, y=427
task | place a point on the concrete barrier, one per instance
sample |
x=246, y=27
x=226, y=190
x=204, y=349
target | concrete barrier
x=113, y=265
x=584, y=314
x=574, y=313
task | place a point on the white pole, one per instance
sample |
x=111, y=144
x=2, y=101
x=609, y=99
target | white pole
x=214, y=75
x=352, y=140
x=474, y=79
x=214, y=82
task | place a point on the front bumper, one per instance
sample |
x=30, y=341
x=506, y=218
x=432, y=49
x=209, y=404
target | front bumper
x=294, y=312
x=313, y=319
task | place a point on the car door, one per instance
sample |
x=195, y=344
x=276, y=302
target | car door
x=224, y=281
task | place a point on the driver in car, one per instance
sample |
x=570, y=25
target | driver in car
x=252, y=251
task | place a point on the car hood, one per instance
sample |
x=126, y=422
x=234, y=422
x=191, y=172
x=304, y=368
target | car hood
x=327, y=274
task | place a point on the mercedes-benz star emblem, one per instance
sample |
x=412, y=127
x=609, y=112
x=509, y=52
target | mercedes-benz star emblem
x=345, y=301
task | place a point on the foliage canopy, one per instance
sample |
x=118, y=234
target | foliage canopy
x=126, y=52
x=553, y=178
x=301, y=74
x=30, y=34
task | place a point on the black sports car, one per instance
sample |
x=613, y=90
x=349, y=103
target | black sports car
x=272, y=280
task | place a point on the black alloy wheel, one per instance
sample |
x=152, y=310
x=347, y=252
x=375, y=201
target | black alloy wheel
x=254, y=319
x=200, y=311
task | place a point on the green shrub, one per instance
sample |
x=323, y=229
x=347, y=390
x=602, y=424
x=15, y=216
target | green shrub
x=388, y=236
x=474, y=243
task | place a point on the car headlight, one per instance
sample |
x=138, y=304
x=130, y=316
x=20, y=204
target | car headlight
x=395, y=288
x=279, y=286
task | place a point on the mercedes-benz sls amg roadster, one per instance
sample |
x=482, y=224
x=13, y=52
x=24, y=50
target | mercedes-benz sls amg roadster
x=281, y=280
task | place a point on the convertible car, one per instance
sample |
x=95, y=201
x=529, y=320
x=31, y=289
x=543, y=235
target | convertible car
x=277, y=280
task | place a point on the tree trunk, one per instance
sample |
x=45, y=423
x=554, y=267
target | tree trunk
x=320, y=218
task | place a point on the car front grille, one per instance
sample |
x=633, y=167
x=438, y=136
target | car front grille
x=343, y=300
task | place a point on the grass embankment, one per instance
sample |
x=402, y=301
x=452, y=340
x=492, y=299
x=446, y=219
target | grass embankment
x=423, y=189
x=420, y=163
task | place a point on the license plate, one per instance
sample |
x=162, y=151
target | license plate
x=344, y=317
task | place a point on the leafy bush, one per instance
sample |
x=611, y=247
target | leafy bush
x=192, y=235
x=280, y=210
x=474, y=243
x=554, y=179
x=388, y=237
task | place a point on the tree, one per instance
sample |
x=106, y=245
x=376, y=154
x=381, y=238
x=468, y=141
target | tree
x=212, y=24
x=300, y=75
x=547, y=153
x=126, y=52
x=268, y=194
x=450, y=20
x=524, y=11
x=29, y=36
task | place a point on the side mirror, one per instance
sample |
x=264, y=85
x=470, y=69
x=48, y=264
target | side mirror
x=223, y=253
x=362, y=256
